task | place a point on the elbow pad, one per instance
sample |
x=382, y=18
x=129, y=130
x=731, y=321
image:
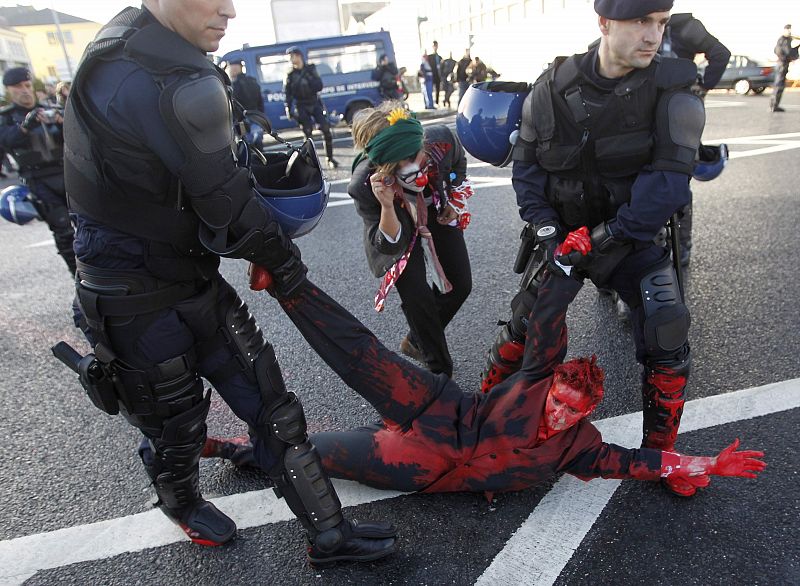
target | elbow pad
x=680, y=118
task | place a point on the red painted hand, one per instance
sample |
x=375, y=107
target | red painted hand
x=745, y=464
x=260, y=279
x=578, y=240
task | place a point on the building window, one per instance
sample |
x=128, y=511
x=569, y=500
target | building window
x=52, y=37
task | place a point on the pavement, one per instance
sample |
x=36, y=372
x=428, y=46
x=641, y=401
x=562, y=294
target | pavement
x=78, y=508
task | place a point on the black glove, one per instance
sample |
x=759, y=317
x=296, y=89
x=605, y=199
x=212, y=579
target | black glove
x=31, y=120
x=603, y=242
x=285, y=265
x=549, y=235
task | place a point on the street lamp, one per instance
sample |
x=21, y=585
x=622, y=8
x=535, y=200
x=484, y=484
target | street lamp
x=420, y=20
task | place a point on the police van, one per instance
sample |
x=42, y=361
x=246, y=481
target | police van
x=344, y=63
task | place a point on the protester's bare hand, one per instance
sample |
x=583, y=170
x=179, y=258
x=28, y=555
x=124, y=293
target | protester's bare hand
x=447, y=215
x=383, y=188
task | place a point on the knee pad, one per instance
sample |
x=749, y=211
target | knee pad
x=288, y=422
x=521, y=307
x=667, y=320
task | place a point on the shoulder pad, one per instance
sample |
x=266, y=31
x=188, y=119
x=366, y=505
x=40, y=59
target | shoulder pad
x=676, y=20
x=201, y=111
x=162, y=51
x=675, y=73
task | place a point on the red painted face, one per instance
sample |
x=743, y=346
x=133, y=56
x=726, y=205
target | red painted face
x=565, y=407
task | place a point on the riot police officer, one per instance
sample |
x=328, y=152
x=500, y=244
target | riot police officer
x=33, y=134
x=605, y=149
x=158, y=198
x=303, y=103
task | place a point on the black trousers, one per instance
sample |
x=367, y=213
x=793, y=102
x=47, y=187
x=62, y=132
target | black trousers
x=50, y=200
x=428, y=310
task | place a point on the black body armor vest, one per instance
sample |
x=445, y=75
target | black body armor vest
x=593, y=142
x=119, y=182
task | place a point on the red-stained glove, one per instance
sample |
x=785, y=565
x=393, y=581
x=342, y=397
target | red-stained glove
x=744, y=464
x=577, y=240
x=697, y=469
x=260, y=279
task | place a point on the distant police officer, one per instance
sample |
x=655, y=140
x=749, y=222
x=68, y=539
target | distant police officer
x=32, y=133
x=303, y=103
x=247, y=91
x=158, y=199
x=602, y=161
x=785, y=54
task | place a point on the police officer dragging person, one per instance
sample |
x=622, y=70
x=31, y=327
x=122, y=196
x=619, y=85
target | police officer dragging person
x=247, y=91
x=785, y=54
x=33, y=135
x=602, y=161
x=303, y=103
x=158, y=198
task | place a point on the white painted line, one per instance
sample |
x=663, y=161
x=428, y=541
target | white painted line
x=710, y=104
x=538, y=551
x=490, y=182
x=42, y=243
x=756, y=138
x=765, y=150
x=21, y=558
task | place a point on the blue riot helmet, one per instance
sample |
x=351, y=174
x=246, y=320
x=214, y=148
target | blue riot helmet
x=292, y=189
x=16, y=205
x=488, y=119
x=710, y=162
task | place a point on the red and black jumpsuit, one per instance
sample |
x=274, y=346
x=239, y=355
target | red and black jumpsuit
x=435, y=437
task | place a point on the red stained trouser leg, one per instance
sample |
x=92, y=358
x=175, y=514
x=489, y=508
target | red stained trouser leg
x=663, y=399
x=397, y=389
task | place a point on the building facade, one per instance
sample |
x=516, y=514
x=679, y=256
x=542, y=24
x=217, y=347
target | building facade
x=55, y=41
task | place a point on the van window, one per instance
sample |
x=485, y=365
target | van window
x=272, y=68
x=347, y=59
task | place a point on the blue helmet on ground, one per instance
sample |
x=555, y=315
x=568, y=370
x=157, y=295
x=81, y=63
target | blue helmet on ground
x=488, y=119
x=710, y=162
x=292, y=189
x=16, y=205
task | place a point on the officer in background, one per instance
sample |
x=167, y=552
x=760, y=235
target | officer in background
x=785, y=54
x=247, y=91
x=158, y=198
x=33, y=135
x=603, y=158
x=303, y=103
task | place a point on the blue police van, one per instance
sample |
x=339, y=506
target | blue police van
x=344, y=63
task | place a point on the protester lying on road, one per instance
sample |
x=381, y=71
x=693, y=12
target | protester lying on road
x=435, y=437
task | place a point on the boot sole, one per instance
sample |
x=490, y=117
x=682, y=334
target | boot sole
x=332, y=561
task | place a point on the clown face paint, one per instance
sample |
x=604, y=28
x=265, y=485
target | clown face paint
x=414, y=174
x=565, y=407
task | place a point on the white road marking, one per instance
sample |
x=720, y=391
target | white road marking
x=535, y=554
x=21, y=558
x=477, y=183
x=42, y=243
x=538, y=551
x=715, y=104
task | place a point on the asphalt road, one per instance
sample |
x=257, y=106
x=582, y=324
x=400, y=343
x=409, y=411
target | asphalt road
x=68, y=467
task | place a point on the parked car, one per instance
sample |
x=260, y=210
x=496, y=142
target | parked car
x=744, y=75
